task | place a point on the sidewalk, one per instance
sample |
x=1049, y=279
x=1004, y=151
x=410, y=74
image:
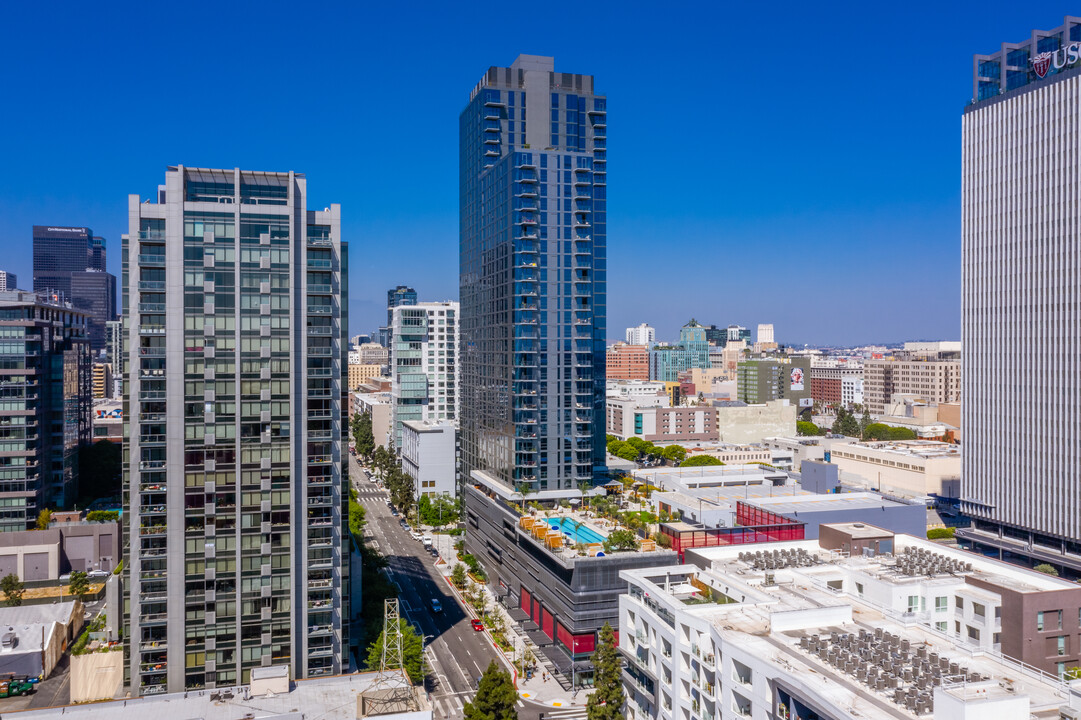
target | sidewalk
x=535, y=689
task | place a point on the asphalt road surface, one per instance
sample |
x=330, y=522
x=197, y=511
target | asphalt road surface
x=457, y=655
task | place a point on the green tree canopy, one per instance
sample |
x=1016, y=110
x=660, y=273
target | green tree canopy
x=44, y=518
x=627, y=452
x=12, y=589
x=1047, y=569
x=674, y=453
x=457, y=575
x=606, y=702
x=412, y=652
x=79, y=584
x=700, y=460
x=879, y=431
x=438, y=511
x=846, y=424
x=808, y=429
x=620, y=540
x=638, y=443
x=495, y=698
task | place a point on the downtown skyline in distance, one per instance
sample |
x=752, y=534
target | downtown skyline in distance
x=803, y=191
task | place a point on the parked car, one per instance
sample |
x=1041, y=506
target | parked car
x=437, y=606
x=477, y=624
x=98, y=574
x=427, y=540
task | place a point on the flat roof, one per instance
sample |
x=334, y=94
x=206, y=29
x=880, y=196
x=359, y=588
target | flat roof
x=860, y=530
x=926, y=449
x=824, y=503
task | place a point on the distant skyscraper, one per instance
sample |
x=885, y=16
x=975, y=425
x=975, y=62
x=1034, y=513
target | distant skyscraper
x=396, y=297
x=235, y=296
x=716, y=336
x=71, y=261
x=45, y=407
x=641, y=335
x=533, y=272
x=666, y=362
x=8, y=281
x=424, y=363
x=765, y=333
x=737, y=333
x=1021, y=343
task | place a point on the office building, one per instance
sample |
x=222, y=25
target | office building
x=828, y=380
x=235, y=296
x=70, y=261
x=716, y=336
x=401, y=296
x=934, y=381
x=851, y=390
x=737, y=333
x=359, y=374
x=533, y=274
x=641, y=335
x=666, y=362
x=424, y=363
x=429, y=453
x=44, y=404
x=798, y=630
x=101, y=382
x=8, y=281
x=1021, y=343
x=762, y=380
x=765, y=334
x=627, y=362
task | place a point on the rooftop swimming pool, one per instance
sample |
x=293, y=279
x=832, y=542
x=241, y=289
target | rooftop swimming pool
x=574, y=532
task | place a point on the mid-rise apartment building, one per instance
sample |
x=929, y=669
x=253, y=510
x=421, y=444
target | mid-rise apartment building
x=235, y=296
x=424, y=363
x=641, y=335
x=44, y=404
x=849, y=626
x=1021, y=340
x=934, y=381
x=429, y=453
x=627, y=362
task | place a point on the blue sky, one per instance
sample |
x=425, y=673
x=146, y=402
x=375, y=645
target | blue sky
x=792, y=163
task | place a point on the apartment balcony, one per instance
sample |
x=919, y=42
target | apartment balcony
x=151, y=284
x=526, y=192
x=320, y=309
x=152, y=260
x=320, y=242
x=152, y=307
x=151, y=329
x=320, y=330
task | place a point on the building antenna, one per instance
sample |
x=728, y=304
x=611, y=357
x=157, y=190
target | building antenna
x=391, y=691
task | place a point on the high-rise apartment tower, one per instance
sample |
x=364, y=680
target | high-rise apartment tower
x=532, y=149
x=235, y=297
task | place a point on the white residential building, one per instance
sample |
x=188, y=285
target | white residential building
x=430, y=457
x=629, y=389
x=424, y=363
x=851, y=390
x=765, y=333
x=794, y=630
x=641, y=335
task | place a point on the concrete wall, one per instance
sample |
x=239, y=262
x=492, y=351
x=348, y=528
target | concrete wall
x=96, y=676
x=752, y=423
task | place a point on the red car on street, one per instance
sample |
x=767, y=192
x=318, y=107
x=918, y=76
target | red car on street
x=477, y=625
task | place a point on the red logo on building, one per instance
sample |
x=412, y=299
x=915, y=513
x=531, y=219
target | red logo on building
x=1041, y=64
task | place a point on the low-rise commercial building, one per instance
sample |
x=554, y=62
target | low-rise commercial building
x=795, y=630
x=789, y=453
x=378, y=405
x=816, y=510
x=430, y=456
x=634, y=388
x=62, y=548
x=907, y=468
x=729, y=453
x=33, y=638
x=742, y=424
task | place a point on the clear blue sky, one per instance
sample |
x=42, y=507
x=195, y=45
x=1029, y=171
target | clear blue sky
x=788, y=163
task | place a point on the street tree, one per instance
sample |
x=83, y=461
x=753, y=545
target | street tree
x=495, y=698
x=412, y=652
x=79, y=584
x=606, y=702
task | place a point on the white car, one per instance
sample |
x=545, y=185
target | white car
x=416, y=535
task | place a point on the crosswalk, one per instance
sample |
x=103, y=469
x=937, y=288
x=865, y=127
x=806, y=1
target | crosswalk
x=453, y=706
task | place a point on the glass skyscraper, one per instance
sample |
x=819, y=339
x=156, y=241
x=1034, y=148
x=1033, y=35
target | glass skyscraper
x=532, y=146
x=234, y=488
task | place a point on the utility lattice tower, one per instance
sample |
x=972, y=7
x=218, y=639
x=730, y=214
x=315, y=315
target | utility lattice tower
x=391, y=691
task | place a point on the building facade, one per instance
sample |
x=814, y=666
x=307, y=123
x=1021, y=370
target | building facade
x=666, y=362
x=8, y=281
x=762, y=380
x=424, y=363
x=430, y=457
x=765, y=333
x=44, y=404
x=70, y=261
x=533, y=278
x=932, y=380
x=627, y=362
x=236, y=296
x=641, y=335
x=359, y=374
x=828, y=382
x=401, y=296
x=1021, y=344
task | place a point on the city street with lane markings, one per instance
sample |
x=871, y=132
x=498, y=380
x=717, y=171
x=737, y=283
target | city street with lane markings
x=457, y=655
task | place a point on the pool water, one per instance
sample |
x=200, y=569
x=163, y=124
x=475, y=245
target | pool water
x=576, y=534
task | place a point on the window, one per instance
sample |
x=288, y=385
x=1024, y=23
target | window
x=978, y=610
x=996, y=638
x=1060, y=645
x=859, y=588
x=959, y=603
x=1039, y=621
x=973, y=633
x=913, y=603
x=941, y=626
x=941, y=604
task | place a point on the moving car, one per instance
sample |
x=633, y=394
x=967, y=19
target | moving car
x=436, y=606
x=477, y=624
